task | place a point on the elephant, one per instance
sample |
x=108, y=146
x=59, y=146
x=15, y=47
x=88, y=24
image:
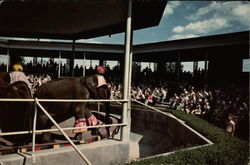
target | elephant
x=4, y=79
x=89, y=87
x=16, y=116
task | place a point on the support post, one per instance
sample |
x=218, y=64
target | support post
x=72, y=59
x=127, y=76
x=59, y=64
x=8, y=60
x=84, y=63
x=206, y=65
x=178, y=66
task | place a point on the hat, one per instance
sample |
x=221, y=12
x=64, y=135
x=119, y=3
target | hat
x=17, y=67
x=100, y=69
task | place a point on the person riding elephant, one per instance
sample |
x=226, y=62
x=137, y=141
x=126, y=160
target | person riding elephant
x=16, y=116
x=71, y=88
x=15, y=75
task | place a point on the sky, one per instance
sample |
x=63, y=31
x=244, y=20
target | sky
x=187, y=19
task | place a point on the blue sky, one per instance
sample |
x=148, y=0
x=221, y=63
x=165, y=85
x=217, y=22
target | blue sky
x=187, y=19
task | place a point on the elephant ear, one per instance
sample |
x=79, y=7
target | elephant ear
x=91, y=84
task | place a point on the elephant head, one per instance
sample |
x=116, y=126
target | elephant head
x=97, y=86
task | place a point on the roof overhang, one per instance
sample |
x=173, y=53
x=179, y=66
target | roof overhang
x=76, y=19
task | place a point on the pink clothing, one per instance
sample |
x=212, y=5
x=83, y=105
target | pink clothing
x=80, y=123
x=18, y=76
x=92, y=121
x=101, y=81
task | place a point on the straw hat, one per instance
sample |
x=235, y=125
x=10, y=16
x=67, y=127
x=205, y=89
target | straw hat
x=17, y=67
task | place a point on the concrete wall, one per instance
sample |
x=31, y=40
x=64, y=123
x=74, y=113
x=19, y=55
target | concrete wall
x=161, y=132
x=99, y=153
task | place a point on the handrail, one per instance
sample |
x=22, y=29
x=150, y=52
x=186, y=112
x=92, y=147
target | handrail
x=65, y=129
x=61, y=100
x=165, y=113
x=181, y=121
x=64, y=134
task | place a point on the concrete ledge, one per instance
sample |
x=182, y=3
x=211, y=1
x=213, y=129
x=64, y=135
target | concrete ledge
x=99, y=153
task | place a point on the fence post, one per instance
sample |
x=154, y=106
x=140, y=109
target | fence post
x=34, y=132
x=98, y=107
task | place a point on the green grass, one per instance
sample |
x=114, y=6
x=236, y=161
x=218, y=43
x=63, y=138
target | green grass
x=226, y=150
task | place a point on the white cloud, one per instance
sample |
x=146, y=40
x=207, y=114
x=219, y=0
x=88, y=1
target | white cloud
x=178, y=29
x=182, y=36
x=200, y=27
x=232, y=11
x=171, y=5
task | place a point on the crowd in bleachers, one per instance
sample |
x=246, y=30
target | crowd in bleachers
x=191, y=95
x=213, y=103
x=37, y=80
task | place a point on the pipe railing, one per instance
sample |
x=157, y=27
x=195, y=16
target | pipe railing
x=62, y=100
x=64, y=129
x=34, y=131
x=157, y=110
x=64, y=134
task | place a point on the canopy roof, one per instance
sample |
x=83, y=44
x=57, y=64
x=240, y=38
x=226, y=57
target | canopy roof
x=190, y=49
x=75, y=19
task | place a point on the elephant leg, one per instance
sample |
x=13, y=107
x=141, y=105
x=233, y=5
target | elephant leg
x=80, y=120
x=107, y=118
x=47, y=138
x=92, y=121
x=78, y=136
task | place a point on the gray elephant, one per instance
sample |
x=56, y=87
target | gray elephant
x=91, y=87
x=16, y=116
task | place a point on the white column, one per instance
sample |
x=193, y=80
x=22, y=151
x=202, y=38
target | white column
x=127, y=76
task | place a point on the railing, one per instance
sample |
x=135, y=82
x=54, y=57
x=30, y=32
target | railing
x=34, y=131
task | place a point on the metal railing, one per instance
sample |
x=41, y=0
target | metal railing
x=34, y=131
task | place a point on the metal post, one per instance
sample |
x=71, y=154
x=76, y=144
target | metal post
x=178, y=65
x=125, y=130
x=64, y=134
x=98, y=106
x=84, y=63
x=34, y=131
x=59, y=63
x=72, y=59
x=206, y=65
x=8, y=60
